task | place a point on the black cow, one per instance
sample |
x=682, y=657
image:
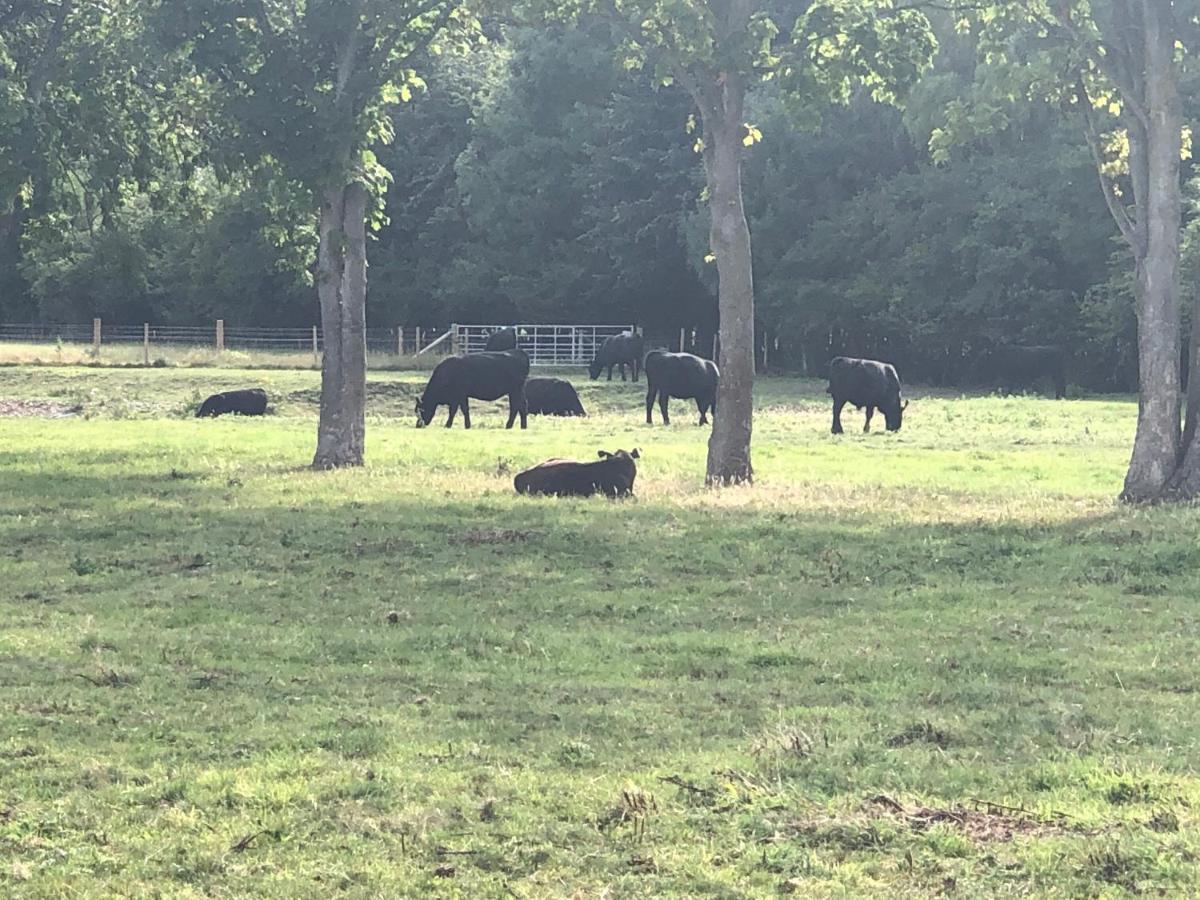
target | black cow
x=1013, y=366
x=624, y=349
x=483, y=376
x=865, y=382
x=552, y=397
x=251, y=402
x=683, y=376
x=499, y=341
x=611, y=475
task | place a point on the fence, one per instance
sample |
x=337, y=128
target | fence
x=547, y=345
x=218, y=336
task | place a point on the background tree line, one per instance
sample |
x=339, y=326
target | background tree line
x=537, y=178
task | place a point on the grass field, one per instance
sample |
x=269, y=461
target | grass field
x=938, y=662
x=15, y=353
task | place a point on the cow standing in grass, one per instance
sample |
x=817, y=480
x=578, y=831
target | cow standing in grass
x=624, y=349
x=612, y=475
x=481, y=376
x=869, y=383
x=680, y=375
x=504, y=339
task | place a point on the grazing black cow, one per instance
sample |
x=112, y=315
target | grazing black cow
x=683, y=376
x=251, y=402
x=865, y=382
x=552, y=397
x=483, y=376
x=1012, y=366
x=624, y=349
x=499, y=341
x=611, y=475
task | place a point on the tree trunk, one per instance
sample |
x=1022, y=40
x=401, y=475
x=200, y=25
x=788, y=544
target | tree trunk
x=729, y=236
x=1157, y=441
x=342, y=291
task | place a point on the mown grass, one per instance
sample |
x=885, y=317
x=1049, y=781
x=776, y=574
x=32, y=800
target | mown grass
x=225, y=675
x=16, y=353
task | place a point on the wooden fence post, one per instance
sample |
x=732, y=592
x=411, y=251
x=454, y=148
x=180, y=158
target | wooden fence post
x=399, y=340
x=454, y=339
x=220, y=335
x=316, y=350
x=715, y=337
x=96, y=337
x=418, y=340
x=146, y=343
x=682, y=348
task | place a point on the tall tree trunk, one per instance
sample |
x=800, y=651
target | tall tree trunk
x=729, y=236
x=1157, y=441
x=342, y=291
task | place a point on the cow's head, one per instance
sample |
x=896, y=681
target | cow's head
x=425, y=411
x=620, y=454
x=893, y=414
x=594, y=368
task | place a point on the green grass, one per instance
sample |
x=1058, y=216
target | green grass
x=692, y=693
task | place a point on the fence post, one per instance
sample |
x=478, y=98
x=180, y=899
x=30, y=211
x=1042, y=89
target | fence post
x=220, y=335
x=146, y=343
x=316, y=351
x=682, y=348
x=418, y=340
x=399, y=340
x=96, y=337
x=716, y=337
x=766, y=350
x=453, y=339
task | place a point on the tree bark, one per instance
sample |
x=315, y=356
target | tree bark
x=342, y=291
x=729, y=236
x=1154, y=164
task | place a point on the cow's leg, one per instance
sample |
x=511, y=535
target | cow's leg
x=700, y=405
x=610, y=373
x=466, y=413
x=623, y=371
x=650, y=404
x=637, y=366
x=870, y=412
x=837, y=415
x=453, y=409
x=524, y=410
x=664, y=400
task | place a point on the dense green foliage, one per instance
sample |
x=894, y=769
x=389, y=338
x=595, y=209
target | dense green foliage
x=536, y=178
x=203, y=694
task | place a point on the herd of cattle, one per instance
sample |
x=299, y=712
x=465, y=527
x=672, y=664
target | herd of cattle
x=502, y=370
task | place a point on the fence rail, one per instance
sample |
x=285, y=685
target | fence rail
x=547, y=345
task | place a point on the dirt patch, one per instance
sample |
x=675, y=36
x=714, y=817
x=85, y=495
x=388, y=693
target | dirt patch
x=985, y=823
x=37, y=409
x=921, y=732
x=478, y=536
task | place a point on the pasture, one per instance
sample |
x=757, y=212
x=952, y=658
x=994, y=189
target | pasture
x=937, y=662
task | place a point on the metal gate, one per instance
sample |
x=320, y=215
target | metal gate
x=547, y=345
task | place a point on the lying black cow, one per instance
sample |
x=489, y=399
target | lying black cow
x=251, y=402
x=624, y=349
x=552, y=397
x=611, y=475
x=1014, y=366
x=482, y=376
x=865, y=382
x=683, y=376
x=499, y=341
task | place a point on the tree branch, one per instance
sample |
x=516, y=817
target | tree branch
x=1129, y=230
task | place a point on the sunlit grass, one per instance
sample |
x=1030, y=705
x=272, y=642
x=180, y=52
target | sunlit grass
x=224, y=674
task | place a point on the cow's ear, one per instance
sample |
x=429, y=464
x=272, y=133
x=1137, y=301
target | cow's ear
x=603, y=454
x=636, y=454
